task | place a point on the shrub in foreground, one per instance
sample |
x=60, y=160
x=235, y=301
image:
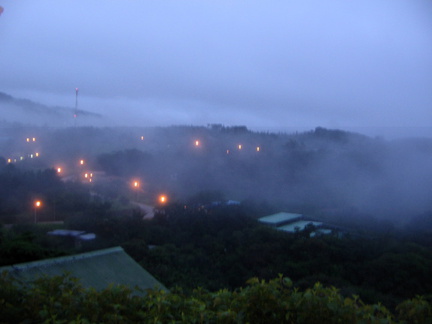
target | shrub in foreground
x=62, y=299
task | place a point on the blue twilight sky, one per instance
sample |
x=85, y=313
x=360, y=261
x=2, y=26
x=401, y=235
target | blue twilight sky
x=269, y=65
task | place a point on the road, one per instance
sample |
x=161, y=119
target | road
x=147, y=209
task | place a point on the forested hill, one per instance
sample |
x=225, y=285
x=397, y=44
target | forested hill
x=324, y=171
x=331, y=173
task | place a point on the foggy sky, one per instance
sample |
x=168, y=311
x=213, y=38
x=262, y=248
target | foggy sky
x=269, y=65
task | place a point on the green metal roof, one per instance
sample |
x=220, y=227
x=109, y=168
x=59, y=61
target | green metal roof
x=97, y=269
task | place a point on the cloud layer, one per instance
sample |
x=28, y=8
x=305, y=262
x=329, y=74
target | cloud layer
x=265, y=64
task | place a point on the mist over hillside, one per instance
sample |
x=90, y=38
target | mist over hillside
x=327, y=173
x=33, y=113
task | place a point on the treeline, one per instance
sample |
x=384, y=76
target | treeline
x=63, y=299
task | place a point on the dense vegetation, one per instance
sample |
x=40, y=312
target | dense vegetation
x=192, y=242
x=21, y=187
x=63, y=299
x=224, y=247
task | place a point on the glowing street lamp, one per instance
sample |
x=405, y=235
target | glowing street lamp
x=142, y=138
x=240, y=146
x=59, y=170
x=197, y=143
x=258, y=148
x=81, y=162
x=163, y=199
x=136, y=184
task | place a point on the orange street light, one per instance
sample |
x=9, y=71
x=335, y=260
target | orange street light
x=163, y=199
x=136, y=184
x=239, y=146
x=59, y=170
x=197, y=143
x=258, y=148
x=81, y=162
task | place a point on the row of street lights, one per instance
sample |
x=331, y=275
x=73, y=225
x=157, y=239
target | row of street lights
x=239, y=147
x=198, y=143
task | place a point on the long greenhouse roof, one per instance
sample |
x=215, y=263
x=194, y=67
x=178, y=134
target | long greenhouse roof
x=96, y=269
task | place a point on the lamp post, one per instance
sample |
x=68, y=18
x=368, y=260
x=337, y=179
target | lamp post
x=37, y=205
x=136, y=186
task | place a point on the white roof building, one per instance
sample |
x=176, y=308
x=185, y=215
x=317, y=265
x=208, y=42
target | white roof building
x=280, y=218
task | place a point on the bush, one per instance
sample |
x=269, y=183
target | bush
x=63, y=299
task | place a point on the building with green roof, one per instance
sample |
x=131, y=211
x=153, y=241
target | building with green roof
x=97, y=269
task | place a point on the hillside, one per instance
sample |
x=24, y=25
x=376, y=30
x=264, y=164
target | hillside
x=33, y=113
x=329, y=173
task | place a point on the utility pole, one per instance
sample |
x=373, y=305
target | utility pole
x=76, y=106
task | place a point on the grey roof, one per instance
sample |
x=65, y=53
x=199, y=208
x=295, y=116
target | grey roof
x=279, y=218
x=64, y=232
x=97, y=269
x=80, y=235
x=321, y=231
x=292, y=227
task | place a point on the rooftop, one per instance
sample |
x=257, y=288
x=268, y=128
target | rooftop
x=299, y=226
x=278, y=218
x=97, y=269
